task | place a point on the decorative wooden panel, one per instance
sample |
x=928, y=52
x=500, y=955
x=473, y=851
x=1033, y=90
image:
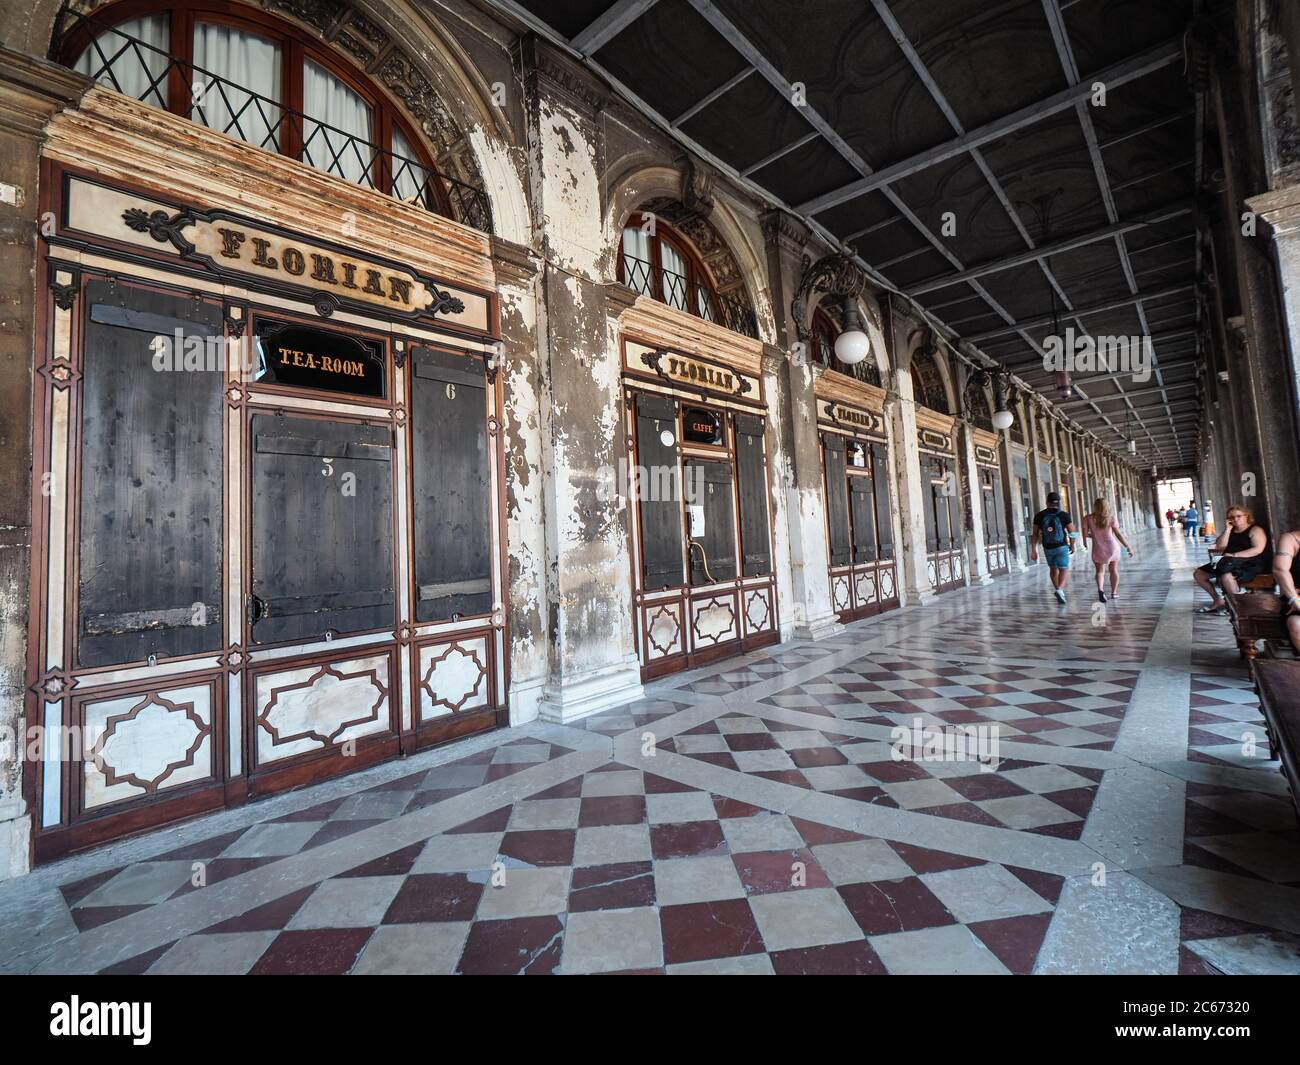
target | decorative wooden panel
x=321, y=705
x=713, y=621
x=454, y=677
x=140, y=745
x=663, y=630
x=758, y=610
x=864, y=588
x=842, y=592
x=887, y=584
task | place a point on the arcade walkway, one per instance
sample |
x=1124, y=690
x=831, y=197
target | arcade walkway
x=750, y=818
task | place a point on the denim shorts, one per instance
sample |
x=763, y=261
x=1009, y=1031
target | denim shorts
x=1057, y=557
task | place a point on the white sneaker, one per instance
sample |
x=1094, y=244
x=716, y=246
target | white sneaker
x=1060, y=596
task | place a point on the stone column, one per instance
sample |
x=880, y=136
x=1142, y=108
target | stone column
x=516, y=275
x=1017, y=558
x=588, y=591
x=900, y=410
x=977, y=566
x=32, y=91
x=790, y=382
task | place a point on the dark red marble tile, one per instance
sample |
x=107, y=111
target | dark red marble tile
x=434, y=897
x=703, y=930
x=1048, y=885
x=963, y=811
x=313, y=952
x=1015, y=940
x=496, y=821
x=570, y=789
x=550, y=846
x=765, y=872
x=687, y=839
x=88, y=917
x=728, y=808
x=834, y=959
x=398, y=863
x=138, y=965
x=269, y=917
x=980, y=786
x=522, y=946
x=751, y=741
x=924, y=860
x=894, y=772
x=815, y=834
x=887, y=906
x=612, y=887
x=657, y=785
x=600, y=810
x=807, y=757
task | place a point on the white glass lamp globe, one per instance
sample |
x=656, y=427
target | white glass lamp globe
x=1002, y=419
x=852, y=346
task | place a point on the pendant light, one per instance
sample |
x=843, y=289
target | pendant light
x=852, y=345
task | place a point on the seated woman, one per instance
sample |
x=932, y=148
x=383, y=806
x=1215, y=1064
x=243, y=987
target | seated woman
x=1286, y=572
x=1246, y=553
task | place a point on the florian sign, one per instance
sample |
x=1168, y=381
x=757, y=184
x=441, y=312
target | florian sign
x=270, y=258
x=692, y=373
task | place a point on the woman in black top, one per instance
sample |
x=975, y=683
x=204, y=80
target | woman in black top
x=1246, y=553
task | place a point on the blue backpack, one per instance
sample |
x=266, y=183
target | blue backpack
x=1052, y=529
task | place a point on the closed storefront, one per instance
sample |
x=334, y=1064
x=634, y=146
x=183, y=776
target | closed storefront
x=941, y=501
x=859, y=506
x=703, y=580
x=993, y=503
x=270, y=536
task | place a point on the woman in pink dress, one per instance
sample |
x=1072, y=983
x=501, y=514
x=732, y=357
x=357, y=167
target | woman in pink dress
x=1101, y=527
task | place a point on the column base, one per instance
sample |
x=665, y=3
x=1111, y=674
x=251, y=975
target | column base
x=525, y=701
x=918, y=596
x=15, y=840
x=572, y=698
x=977, y=579
x=817, y=628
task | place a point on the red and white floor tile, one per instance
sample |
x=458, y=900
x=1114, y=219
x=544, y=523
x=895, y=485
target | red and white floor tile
x=753, y=817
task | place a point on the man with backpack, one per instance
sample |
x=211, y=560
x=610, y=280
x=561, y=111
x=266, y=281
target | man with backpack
x=1055, y=529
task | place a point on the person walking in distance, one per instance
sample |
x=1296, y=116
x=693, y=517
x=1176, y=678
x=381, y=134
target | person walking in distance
x=1103, y=530
x=1055, y=529
x=1191, y=519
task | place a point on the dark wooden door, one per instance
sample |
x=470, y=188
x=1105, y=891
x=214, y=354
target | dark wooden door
x=450, y=470
x=711, y=530
x=837, y=503
x=751, y=485
x=862, y=504
x=659, y=493
x=151, y=499
x=322, y=528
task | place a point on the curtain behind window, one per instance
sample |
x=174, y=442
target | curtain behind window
x=135, y=69
x=236, y=84
x=636, y=260
x=336, y=131
x=674, y=276
x=411, y=181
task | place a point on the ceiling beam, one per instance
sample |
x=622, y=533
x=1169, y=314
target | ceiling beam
x=1182, y=385
x=1043, y=251
x=610, y=24
x=716, y=94
x=1113, y=76
x=1095, y=308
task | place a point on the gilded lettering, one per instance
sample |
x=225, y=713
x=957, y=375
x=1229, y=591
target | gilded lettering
x=349, y=275
x=231, y=239
x=260, y=258
x=399, y=290
x=294, y=263
x=373, y=283
x=322, y=269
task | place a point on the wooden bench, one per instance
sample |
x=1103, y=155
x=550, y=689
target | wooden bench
x=1254, y=618
x=1262, y=583
x=1278, y=684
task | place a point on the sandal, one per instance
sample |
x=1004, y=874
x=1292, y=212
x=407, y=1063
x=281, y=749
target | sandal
x=1213, y=609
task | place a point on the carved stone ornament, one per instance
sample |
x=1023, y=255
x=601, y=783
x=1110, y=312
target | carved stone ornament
x=697, y=189
x=835, y=275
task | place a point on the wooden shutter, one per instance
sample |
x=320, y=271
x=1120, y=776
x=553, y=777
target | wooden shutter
x=932, y=504
x=884, y=502
x=322, y=542
x=450, y=469
x=713, y=553
x=151, y=493
x=660, y=491
x=837, y=503
x=751, y=481
x=862, y=505
x=999, y=509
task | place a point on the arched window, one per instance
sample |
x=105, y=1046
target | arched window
x=250, y=75
x=658, y=263
x=928, y=388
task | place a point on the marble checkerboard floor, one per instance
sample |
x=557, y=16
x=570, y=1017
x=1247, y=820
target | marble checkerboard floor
x=751, y=818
